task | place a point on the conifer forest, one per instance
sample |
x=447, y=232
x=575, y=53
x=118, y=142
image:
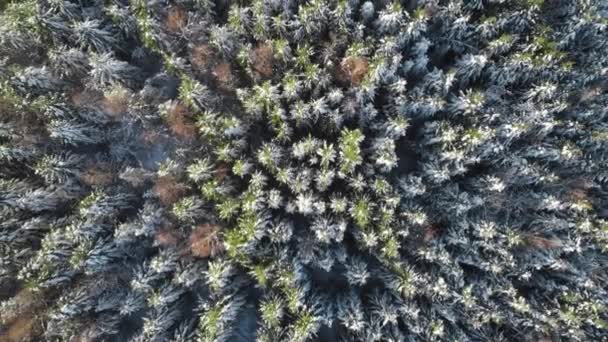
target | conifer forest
x=303, y=170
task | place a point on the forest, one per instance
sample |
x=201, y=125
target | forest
x=303, y=170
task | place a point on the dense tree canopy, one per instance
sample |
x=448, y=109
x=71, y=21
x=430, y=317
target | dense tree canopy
x=284, y=170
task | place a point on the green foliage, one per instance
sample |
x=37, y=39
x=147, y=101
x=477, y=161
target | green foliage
x=20, y=15
x=350, y=152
